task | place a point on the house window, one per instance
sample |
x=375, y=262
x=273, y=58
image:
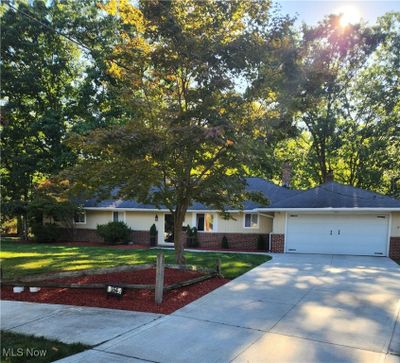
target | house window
x=250, y=220
x=115, y=216
x=205, y=222
x=80, y=217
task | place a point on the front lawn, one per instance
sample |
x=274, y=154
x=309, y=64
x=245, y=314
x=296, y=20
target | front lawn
x=19, y=348
x=26, y=259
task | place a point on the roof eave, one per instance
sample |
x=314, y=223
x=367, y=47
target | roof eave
x=116, y=209
x=330, y=209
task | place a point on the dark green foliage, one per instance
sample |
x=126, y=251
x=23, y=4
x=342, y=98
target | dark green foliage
x=153, y=235
x=38, y=70
x=44, y=211
x=45, y=233
x=224, y=243
x=153, y=230
x=344, y=91
x=114, y=232
x=192, y=237
x=189, y=236
x=195, y=238
x=261, y=243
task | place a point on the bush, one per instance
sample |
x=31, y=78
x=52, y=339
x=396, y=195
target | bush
x=114, y=232
x=153, y=235
x=195, y=238
x=45, y=233
x=192, y=239
x=224, y=243
x=261, y=243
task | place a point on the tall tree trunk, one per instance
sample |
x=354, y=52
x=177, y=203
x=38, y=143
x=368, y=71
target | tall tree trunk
x=322, y=163
x=20, y=227
x=179, y=217
x=25, y=227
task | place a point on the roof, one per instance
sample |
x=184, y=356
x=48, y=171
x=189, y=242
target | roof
x=271, y=191
x=336, y=195
x=327, y=195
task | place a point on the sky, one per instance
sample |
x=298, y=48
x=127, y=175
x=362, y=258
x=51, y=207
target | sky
x=312, y=11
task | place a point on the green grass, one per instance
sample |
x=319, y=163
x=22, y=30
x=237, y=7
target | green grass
x=18, y=348
x=27, y=259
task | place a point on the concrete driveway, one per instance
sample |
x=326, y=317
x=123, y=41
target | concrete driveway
x=295, y=308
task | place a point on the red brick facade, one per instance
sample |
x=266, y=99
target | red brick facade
x=277, y=243
x=394, y=249
x=239, y=241
x=91, y=235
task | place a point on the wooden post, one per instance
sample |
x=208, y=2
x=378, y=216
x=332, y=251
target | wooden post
x=159, y=278
x=218, y=268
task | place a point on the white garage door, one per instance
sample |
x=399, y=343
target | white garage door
x=333, y=234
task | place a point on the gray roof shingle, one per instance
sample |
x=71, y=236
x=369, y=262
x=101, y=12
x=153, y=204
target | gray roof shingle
x=328, y=195
x=336, y=195
x=271, y=191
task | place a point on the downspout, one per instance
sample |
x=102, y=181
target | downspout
x=269, y=242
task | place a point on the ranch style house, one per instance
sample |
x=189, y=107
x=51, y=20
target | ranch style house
x=331, y=218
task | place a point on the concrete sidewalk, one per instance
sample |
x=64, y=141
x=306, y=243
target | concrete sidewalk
x=71, y=324
x=295, y=308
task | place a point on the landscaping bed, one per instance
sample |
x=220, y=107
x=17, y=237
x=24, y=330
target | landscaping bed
x=136, y=300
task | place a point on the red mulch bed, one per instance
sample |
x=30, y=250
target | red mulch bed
x=136, y=300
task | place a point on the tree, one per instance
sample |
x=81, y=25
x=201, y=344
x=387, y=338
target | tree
x=176, y=66
x=39, y=69
x=86, y=23
x=371, y=108
x=49, y=206
x=330, y=58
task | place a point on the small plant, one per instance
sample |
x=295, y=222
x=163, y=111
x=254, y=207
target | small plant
x=224, y=243
x=195, y=238
x=192, y=239
x=261, y=243
x=153, y=235
x=189, y=236
x=45, y=233
x=114, y=232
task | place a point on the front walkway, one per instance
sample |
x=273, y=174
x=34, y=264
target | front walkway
x=295, y=308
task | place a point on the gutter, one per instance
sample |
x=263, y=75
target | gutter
x=116, y=209
x=255, y=210
x=368, y=209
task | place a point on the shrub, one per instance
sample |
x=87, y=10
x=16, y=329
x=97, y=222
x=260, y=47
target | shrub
x=224, y=243
x=114, y=232
x=261, y=243
x=192, y=237
x=153, y=235
x=195, y=238
x=45, y=233
x=189, y=236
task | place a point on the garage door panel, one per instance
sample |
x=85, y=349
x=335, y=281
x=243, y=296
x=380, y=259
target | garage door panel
x=333, y=234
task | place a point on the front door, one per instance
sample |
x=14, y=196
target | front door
x=169, y=228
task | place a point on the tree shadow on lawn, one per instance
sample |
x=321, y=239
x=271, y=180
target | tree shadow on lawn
x=20, y=260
